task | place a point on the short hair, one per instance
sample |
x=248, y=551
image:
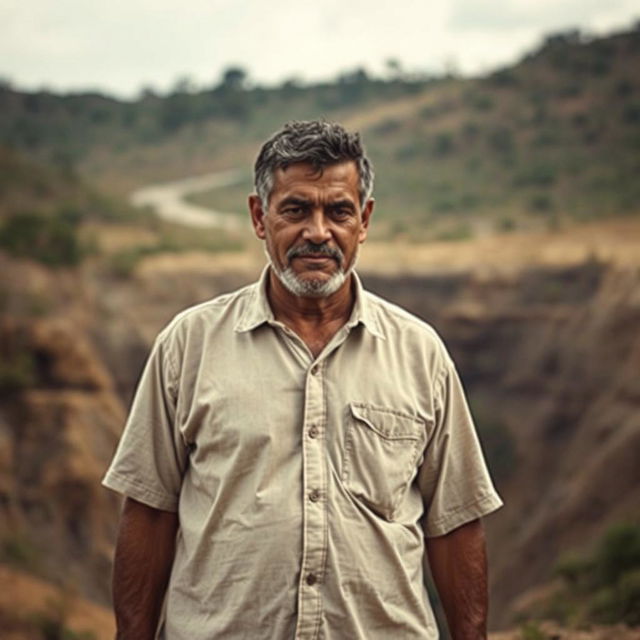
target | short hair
x=315, y=142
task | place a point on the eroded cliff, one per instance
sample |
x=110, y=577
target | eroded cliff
x=549, y=356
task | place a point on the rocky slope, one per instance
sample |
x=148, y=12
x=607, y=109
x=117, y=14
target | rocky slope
x=549, y=355
x=550, y=361
x=59, y=421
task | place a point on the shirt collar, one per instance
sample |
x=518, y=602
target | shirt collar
x=363, y=311
x=258, y=311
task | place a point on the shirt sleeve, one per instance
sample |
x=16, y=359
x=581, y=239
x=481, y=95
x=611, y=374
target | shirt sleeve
x=151, y=457
x=453, y=477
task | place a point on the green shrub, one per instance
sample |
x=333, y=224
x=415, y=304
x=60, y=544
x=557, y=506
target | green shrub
x=173, y=239
x=462, y=231
x=470, y=130
x=629, y=597
x=618, y=552
x=541, y=203
x=18, y=551
x=501, y=139
x=443, y=144
x=123, y=263
x=52, y=240
x=444, y=203
x=388, y=126
x=631, y=113
x=17, y=371
x=576, y=570
x=606, y=584
x=624, y=88
x=531, y=631
x=507, y=224
x=503, y=78
x=480, y=101
x=52, y=622
x=536, y=174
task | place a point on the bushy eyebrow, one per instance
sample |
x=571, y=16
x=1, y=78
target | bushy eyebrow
x=342, y=204
x=295, y=201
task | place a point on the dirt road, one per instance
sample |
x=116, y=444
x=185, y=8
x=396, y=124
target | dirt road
x=168, y=200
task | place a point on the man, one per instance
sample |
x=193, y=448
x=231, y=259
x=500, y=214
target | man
x=296, y=449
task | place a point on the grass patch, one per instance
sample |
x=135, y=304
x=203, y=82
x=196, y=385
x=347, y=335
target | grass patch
x=19, y=552
x=173, y=239
x=52, y=623
x=51, y=238
x=17, y=371
x=603, y=585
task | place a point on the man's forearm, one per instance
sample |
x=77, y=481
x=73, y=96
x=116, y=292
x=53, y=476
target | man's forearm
x=143, y=560
x=458, y=564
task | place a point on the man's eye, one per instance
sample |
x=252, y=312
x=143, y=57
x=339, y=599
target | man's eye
x=341, y=214
x=293, y=211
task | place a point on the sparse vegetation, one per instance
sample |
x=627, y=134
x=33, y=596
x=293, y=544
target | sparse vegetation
x=52, y=623
x=564, y=122
x=172, y=239
x=50, y=239
x=18, y=551
x=17, y=372
x=531, y=630
x=602, y=586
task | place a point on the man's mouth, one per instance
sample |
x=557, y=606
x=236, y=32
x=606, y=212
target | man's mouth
x=315, y=254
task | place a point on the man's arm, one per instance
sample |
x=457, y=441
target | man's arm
x=144, y=555
x=458, y=562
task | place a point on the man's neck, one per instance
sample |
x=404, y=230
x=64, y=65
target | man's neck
x=315, y=320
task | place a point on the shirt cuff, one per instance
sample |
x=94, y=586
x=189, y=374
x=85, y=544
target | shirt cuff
x=135, y=490
x=458, y=516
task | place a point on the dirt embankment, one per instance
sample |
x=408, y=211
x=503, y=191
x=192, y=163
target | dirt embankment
x=549, y=354
x=550, y=361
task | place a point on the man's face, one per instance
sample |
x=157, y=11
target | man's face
x=313, y=226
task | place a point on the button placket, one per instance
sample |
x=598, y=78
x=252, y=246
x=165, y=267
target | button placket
x=314, y=517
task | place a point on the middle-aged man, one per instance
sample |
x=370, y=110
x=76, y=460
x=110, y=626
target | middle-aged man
x=298, y=448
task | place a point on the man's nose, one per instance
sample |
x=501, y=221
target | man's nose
x=316, y=229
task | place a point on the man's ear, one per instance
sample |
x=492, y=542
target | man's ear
x=257, y=215
x=366, y=217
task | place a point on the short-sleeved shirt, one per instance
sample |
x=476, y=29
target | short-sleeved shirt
x=304, y=485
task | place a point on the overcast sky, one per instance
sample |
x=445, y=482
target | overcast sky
x=119, y=46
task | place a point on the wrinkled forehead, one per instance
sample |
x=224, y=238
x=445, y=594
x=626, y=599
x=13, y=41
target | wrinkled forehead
x=335, y=180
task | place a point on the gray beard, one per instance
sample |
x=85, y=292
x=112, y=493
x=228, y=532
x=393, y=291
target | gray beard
x=311, y=288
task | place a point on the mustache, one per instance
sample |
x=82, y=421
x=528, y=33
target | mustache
x=311, y=248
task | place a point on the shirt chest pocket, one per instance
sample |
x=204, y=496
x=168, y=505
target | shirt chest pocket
x=381, y=452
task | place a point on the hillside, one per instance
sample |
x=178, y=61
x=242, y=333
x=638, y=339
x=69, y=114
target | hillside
x=551, y=140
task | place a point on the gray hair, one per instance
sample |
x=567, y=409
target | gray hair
x=317, y=143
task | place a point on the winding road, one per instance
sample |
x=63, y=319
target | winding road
x=168, y=200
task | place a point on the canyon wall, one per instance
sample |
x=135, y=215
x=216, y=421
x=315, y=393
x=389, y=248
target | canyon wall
x=549, y=356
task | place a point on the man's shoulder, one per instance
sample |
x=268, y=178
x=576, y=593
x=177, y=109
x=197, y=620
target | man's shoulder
x=224, y=308
x=395, y=322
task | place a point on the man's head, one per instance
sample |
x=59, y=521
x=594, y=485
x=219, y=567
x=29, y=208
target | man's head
x=317, y=143
x=314, y=182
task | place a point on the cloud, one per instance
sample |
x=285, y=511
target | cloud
x=485, y=15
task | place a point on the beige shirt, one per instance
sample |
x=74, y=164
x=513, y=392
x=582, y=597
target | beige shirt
x=301, y=483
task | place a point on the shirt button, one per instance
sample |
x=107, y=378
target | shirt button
x=311, y=579
x=315, y=370
x=314, y=496
x=313, y=431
